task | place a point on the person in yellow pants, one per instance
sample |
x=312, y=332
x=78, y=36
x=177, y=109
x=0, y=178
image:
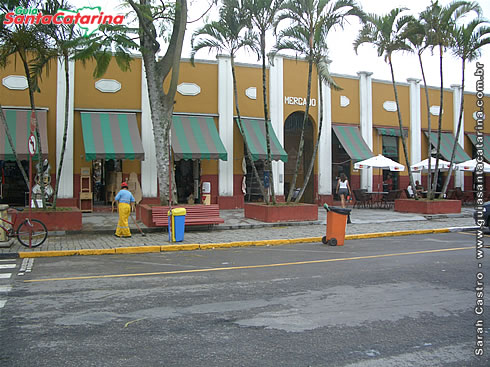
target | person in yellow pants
x=124, y=199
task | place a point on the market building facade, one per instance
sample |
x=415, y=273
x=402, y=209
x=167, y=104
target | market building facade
x=110, y=135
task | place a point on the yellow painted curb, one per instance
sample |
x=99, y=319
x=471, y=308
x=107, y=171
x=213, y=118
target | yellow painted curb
x=48, y=253
x=395, y=233
x=188, y=247
x=108, y=251
x=137, y=249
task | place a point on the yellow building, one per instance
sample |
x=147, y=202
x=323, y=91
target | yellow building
x=110, y=130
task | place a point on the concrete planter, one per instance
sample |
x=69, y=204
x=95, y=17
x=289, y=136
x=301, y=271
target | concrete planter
x=67, y=219
x=281, y=213
x=428, y=206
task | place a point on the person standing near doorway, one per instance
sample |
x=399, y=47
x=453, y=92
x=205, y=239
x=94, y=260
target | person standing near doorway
x=125, y=199
x=343, y=189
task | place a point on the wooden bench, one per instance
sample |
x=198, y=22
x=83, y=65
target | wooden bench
x=196, y=215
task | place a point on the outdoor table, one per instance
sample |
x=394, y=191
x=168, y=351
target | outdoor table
x=376, y=196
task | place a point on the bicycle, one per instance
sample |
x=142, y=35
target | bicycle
x=30, y=229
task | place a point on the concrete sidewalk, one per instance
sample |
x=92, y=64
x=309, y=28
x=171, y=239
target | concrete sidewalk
x=98, y=228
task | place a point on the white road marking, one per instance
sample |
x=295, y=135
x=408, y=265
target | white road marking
x=2, y=303
x=5, y=288
x=5, y=276
x=7, y=266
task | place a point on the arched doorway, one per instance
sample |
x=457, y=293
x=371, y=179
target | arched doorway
x=292, y=134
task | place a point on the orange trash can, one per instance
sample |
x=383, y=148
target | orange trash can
x=336, y=223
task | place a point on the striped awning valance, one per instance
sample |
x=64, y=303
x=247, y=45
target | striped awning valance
x=352, y=141
x=18, y=122
x=111, y=136
x=196, y=137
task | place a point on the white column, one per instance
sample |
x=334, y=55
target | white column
x=325, y=145
x=225, y=111
x=366, y=118
x=149, y=176
x=65, y=189
x=415, y=126
x=276, y=97
x=458, y=175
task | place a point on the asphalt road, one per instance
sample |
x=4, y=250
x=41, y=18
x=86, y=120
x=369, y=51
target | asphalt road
x=399, y=301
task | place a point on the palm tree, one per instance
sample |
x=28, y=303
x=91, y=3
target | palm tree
x=416, y=36
x=228, y=35
x=334, y=16
x=24, y=41
x=439, y=22
x=68, y=43
x=262, y=14
x=386, y=33
x=468, y=41
x=310, y=22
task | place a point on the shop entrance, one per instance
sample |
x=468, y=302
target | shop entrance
x=292, y=134
x=13, y=188
x=187, y=181
x=340, y=164
x=106, y=179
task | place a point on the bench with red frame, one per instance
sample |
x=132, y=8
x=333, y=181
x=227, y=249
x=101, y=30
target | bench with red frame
x=196, y=215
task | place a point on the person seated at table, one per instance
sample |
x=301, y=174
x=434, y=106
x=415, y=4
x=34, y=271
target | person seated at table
x=419, y=187
x=343, y=188
x=388, y=183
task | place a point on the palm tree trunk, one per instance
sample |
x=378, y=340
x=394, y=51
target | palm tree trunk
x=302, y=137
x=404, y=143
x=458, y=130
x=65, y=130
x=37, y=134
x=240, y=127
x=430, y=194
x=268, y=165
x=12, y=145
x=429, y=178
x=315, y=149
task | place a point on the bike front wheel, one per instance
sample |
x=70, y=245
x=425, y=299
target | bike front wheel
x=32, y=228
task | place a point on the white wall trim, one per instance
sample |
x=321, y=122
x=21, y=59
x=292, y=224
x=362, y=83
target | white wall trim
x=366, y=118
x=65, y=189
x=458, y=175
x=225, y=111
x=149, y=178
x=415, y=125
x=325, y=145
x=276, y=97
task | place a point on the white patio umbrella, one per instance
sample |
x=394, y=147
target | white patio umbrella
x=471, y=166
x=380, y=161
x=424, y=165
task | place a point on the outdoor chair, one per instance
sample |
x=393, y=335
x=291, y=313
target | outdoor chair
x=388, y=201
x=362, y=198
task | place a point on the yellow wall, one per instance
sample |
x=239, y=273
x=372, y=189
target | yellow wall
x=349, y=114
x=206, y=76
x=434, y=100
x=128, y=97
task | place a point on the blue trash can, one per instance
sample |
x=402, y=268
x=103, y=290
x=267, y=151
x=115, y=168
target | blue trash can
x=176, y=224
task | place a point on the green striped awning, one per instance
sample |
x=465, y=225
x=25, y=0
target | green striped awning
x=255, y=134
x=486, y=144
x=19, y=122
x=196, y=137
x=447, y=143
x=111, y=136
x=352, y=141
x=390, y=131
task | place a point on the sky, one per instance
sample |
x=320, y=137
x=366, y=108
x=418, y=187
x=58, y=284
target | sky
x=341, y=52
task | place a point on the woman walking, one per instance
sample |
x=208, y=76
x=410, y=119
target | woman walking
x=343, y=188
x=124, y=199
